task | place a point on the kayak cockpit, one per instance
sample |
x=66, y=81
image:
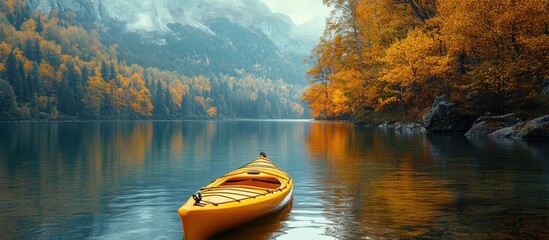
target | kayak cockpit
x=259, y=182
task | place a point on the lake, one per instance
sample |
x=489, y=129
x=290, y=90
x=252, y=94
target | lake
x=126, y=180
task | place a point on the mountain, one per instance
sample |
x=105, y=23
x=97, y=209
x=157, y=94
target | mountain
x=73, y=60
x=254, y=15
x=309, y=32
x=200, y=37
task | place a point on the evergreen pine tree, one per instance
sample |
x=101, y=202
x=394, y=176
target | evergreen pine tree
x=19, y=81
x=104, y=72
x=37, y=52
x=85, y=75
x=64, y=102
x=8, y=102
x=186, y=107
x=11, y=69
x=39, y=26
x=26, y=89
x=35, y=80
x=112, y=75
x=75, y=88
x=168, y=102
x=158, y=102
x=28, y=51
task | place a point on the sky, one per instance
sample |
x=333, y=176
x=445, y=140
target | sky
x=299, y=10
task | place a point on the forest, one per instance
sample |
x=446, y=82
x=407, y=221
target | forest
x=55, y=67
x=394, y=57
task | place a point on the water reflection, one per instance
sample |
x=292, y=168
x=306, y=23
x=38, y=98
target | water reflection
x=55, y=173
x=373, y=182
x=504, y=181
x=266, y=227
x=382, y=184
x=105, y=180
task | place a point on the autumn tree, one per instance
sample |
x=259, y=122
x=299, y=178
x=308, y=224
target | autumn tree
x=412, y=65
x=499, y=48
x=212, y=112
x=317, y=95
x=94, y=97
x=140, y=96
x=399, y=54
x=344, y=22
x=348, y=55
x=356, y=36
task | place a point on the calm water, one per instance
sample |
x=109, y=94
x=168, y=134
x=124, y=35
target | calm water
x=126, y=180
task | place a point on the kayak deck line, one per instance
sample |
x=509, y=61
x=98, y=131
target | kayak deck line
x=225, y=196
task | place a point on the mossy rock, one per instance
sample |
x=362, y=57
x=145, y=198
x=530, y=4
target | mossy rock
x=535, y=129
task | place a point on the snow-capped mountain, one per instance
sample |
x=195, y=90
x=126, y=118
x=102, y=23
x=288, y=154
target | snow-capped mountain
x=158, y=15
x=198, y=37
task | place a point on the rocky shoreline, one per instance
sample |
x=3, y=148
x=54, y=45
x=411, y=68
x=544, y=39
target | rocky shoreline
x=447, y=117
x=404, y=127
x=511, y=127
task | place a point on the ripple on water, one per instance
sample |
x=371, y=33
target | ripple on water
x=139, y=214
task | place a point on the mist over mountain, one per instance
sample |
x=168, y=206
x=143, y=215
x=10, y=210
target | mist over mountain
x=310, y=32
x=200, y=37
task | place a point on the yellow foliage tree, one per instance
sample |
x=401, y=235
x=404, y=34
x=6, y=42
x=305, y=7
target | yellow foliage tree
x=317, y=99
x=139, y=96
x=497, y=47
x=387, y=54
x=212, y=112
x=201, y=101
x=94, y=96
x=410, y=66
x=177, y=90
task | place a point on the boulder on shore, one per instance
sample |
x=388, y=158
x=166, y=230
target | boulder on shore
x=445, y=116
x=535, y=129
x=508, y=132
x=487, y=124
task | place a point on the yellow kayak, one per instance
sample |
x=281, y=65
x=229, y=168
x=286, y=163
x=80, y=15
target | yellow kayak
x=258, y=188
